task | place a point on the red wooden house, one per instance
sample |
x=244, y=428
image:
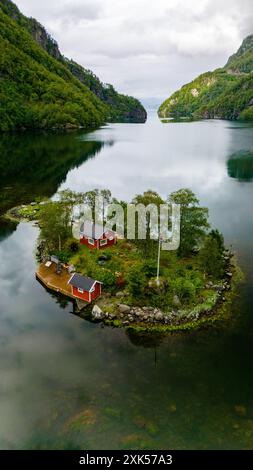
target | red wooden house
x=84, y=287
x=94, y=236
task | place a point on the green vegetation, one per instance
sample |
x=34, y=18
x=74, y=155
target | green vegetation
x=38, y=88
x=193, y=220
x=211, y=254
x=121, y=108
x=187, y=276
x=225, y=93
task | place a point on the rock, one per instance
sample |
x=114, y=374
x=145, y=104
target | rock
x=123, y=308
x=97, y=313
x=176, y=302
x=229, y=274
x=125, y=323
x=138, y=313
x=33, y=204
x=130, y=318
x=120, y=294
x=112, y=316
x=159, y=316
x=217, y=288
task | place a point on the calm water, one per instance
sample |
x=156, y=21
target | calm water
x=67, y=383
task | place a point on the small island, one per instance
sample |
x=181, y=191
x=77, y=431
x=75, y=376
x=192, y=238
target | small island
x=196, y=282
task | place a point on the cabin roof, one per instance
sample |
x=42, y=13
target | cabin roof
x=92, y=230
x=82, y=282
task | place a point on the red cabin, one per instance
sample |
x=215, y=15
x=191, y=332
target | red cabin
x=94, y=235
x=84, y=287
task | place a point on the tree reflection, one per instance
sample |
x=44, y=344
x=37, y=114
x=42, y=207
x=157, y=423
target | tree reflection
x=35, y=164
x=240, y=166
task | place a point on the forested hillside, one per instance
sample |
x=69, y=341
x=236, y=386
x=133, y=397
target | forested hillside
x=39, y=88
x=225, y=93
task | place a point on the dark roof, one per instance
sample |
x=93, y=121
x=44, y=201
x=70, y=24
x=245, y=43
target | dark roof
x=91, y=230
x=83, y=282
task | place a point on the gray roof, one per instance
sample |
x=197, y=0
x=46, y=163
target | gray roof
x=92, y=230
x=54, y=259
x=83, y=282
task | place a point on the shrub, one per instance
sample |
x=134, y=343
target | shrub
x=136, y=280
x=73, y=245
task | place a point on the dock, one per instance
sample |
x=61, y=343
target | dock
x=57, y=282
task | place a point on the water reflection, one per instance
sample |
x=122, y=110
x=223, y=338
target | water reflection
x=145, y=339
x=68, y=383
x=7, y=227
x=33, y=165
x=240, y=166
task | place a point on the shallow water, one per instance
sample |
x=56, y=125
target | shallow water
x=68, y=383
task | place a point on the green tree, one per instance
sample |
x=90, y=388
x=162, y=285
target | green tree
x=106, y=196
x=211, y=255
x=149, y=245
x=55, y=225
x=70, y=198
x=194, y=220
x=90, y=200
x=136, y=281
x=97, y=200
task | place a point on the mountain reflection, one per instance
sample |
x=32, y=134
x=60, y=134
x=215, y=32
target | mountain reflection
x=240, y=166
x=34, y=165
x=7, y=227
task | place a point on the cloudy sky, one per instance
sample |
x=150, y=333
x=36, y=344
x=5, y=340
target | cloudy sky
x=145, y=48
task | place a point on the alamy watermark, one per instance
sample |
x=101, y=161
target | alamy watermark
x=133, y=221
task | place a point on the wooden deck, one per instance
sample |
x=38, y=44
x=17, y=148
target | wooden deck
x=54, y=281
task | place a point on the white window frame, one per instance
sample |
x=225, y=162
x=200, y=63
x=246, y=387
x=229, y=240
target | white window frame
x=92, y=289
x=91, y=241
x=80, y=290
x=111, y=238
x=103, y=242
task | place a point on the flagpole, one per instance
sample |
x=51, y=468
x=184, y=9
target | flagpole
x=158, y=261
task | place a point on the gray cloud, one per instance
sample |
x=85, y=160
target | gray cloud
x=146, y=48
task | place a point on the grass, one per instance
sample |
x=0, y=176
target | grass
x=181, y=277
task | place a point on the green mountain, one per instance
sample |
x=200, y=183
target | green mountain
x=225, y=93
x=40, y=88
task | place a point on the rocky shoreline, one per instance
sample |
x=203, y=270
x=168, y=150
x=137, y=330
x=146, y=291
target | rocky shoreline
x=145, y=317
